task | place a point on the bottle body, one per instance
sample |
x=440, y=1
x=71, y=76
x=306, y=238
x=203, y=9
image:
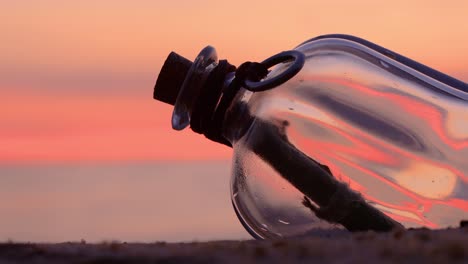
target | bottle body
x=390, y=131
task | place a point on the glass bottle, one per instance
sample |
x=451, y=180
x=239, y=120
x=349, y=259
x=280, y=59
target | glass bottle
x=339, y=133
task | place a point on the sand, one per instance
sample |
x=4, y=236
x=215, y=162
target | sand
x=402, y=246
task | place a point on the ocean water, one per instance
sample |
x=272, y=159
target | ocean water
x=166, y=201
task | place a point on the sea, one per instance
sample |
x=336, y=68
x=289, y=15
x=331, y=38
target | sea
x=176, y=201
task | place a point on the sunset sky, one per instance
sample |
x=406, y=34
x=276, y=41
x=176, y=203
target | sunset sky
x=76, y=78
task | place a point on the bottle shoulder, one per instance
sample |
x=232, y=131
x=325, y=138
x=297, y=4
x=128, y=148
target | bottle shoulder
x=360, y=47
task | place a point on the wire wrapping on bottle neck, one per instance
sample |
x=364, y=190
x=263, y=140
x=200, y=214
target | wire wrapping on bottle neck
x=213, y=102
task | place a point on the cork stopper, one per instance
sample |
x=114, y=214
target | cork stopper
x=171, y=78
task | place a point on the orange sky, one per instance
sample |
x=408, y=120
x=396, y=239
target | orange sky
x=76, y=79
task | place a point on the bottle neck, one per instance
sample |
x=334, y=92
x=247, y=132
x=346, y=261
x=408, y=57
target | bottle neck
x=215, y=98
x=237, y=117
x=221, y=111
x=211, y=97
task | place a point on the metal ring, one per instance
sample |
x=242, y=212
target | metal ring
x=297, y=59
